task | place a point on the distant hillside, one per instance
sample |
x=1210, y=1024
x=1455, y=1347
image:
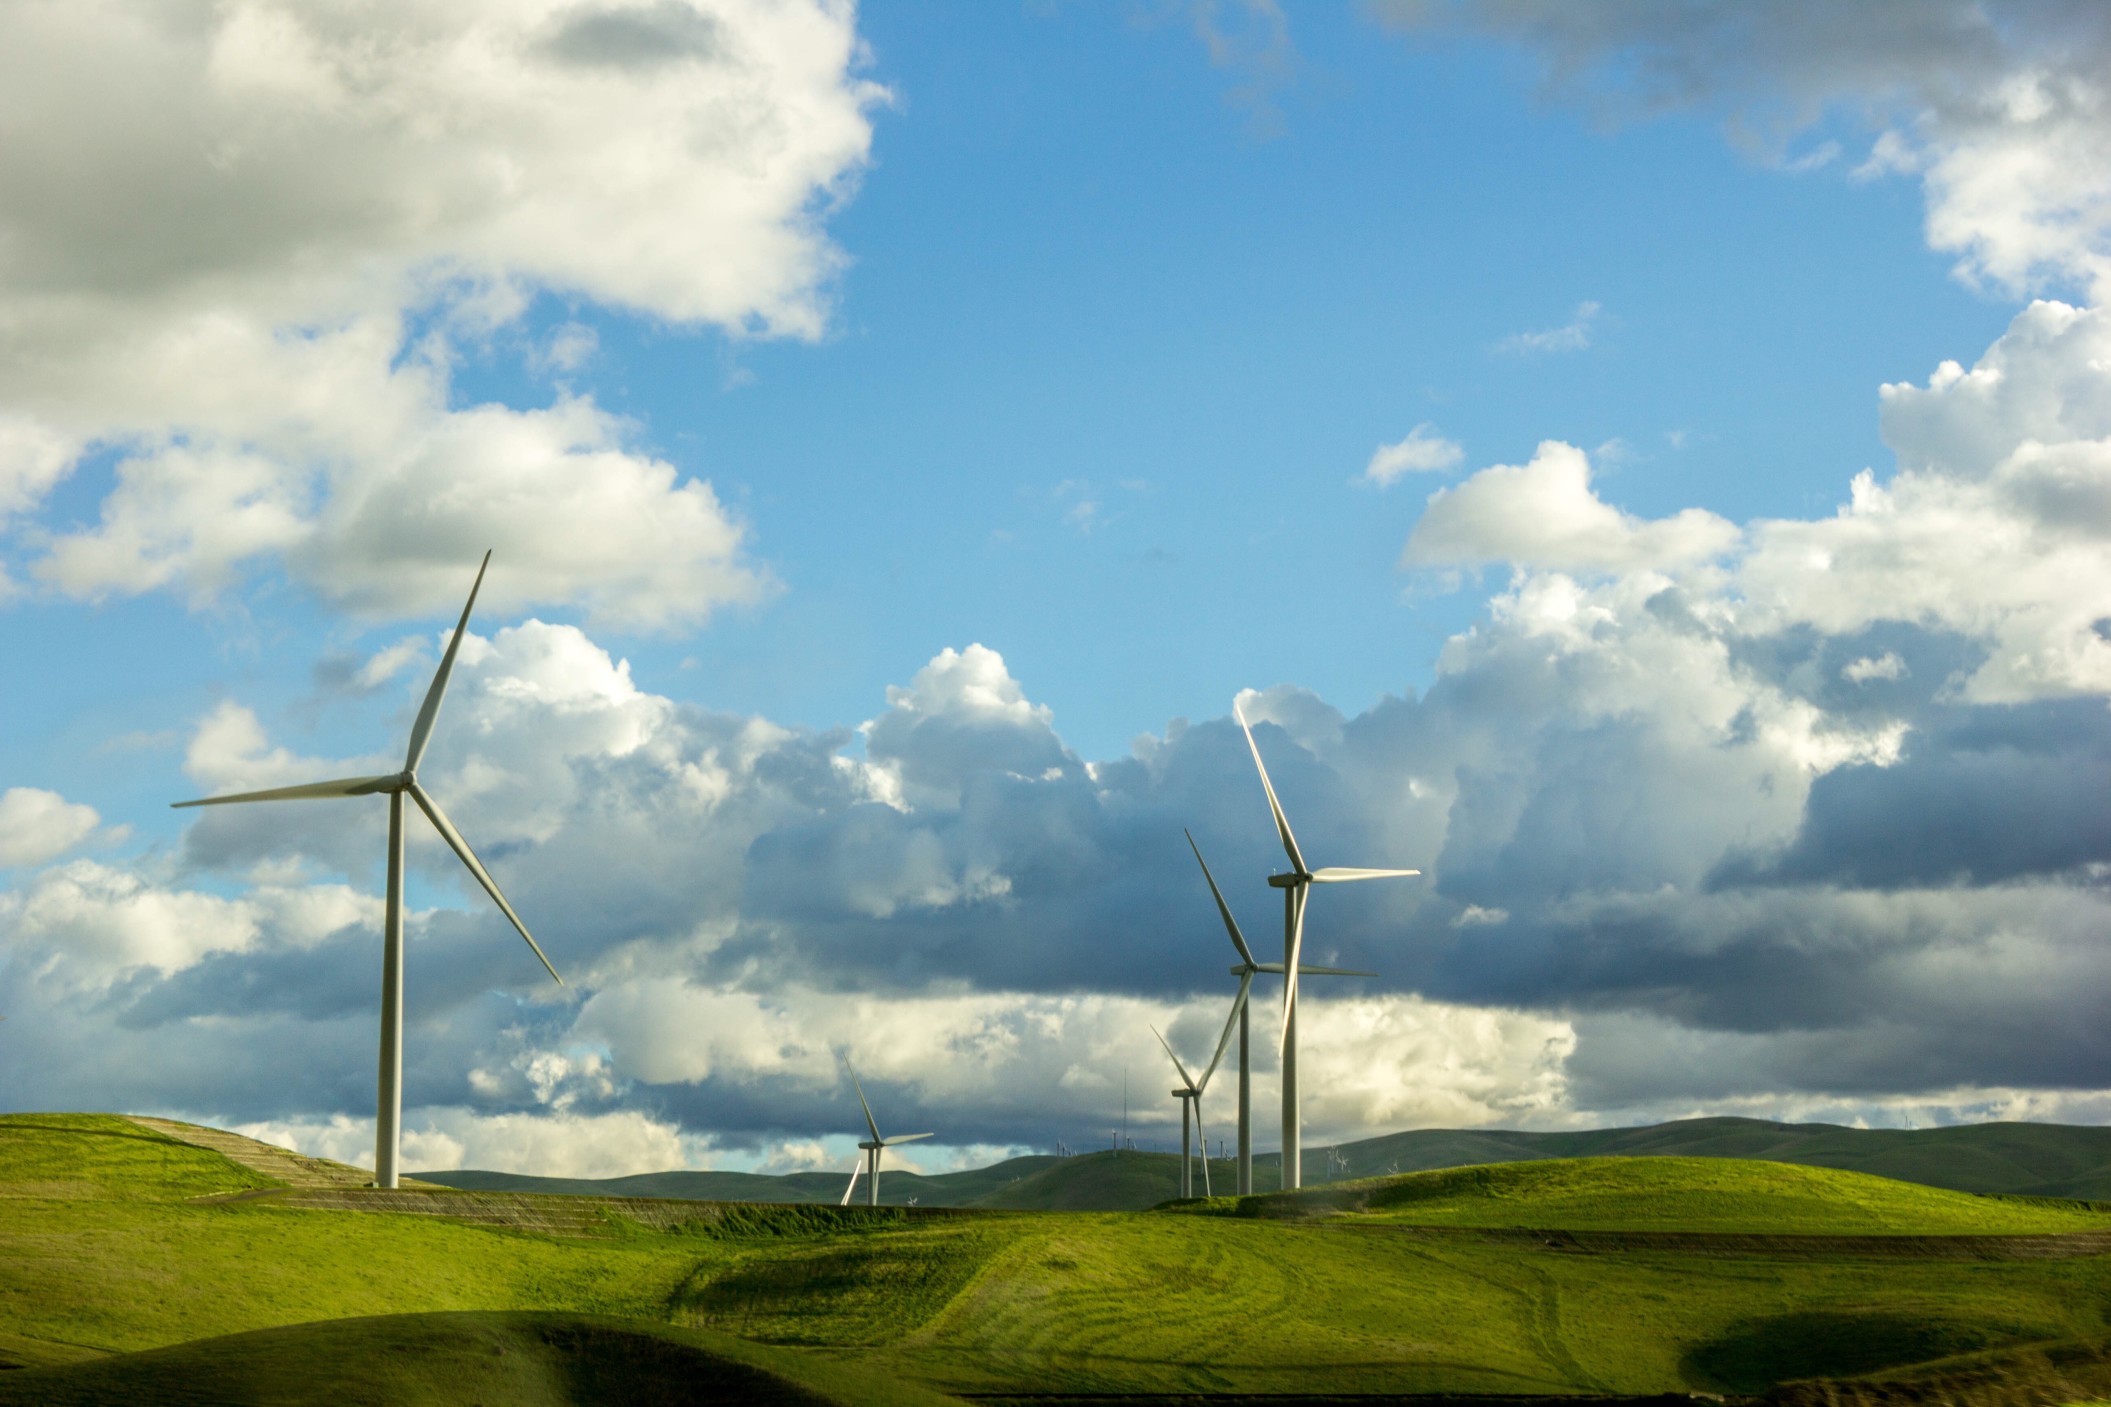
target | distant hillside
x=2045, y=1160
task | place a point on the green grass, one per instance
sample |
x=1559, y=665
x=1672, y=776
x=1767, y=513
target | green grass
x=90, y=1156
x=1384, y=1287
x=1716, y=1195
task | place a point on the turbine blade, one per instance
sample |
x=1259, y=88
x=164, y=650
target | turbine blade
x=343, y=786
x=855, y=1169
x=1238, y=1003
x=904, y=1138
x=429, y=711
x=1307, y=970
x=1282, y=822
x=1185, y=1077
x=468, y=857
x=1203, y=1136
x=1295, y=898
x=1231, y=925
x=861, y=1101
x=1335, y=874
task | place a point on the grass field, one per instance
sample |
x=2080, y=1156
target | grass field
x=113, y=1239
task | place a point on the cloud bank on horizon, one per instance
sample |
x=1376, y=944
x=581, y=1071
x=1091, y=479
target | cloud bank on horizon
x=1791, y=816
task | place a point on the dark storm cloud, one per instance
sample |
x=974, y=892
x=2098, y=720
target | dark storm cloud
x=1982, y=794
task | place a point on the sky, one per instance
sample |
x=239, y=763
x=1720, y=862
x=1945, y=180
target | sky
x=1647, y=466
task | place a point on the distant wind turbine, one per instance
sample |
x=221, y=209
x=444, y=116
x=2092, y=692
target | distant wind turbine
x=1245, y=973
x=872, y=1150
x=1294, y=886
x=388, y=1114
x=1190, y=1096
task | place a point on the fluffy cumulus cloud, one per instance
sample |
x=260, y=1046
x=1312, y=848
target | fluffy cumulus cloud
x=36, y=825
x=240, y=245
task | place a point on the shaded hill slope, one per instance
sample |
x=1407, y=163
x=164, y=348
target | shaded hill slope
x=2042, y=1160
x=522, y=1359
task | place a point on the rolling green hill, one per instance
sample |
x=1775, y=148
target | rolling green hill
x=2040, y=1160
x=128, y=1259
x=1714, y=1195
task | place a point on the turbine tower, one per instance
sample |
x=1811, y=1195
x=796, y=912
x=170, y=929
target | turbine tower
x=878, y=1145
x=1190, y=1096
x=1245, y=973
x=1294, y=885
x=388, y=1112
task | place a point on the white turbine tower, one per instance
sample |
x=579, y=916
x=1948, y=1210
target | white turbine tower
x=1294, y=886
x=1245, y=972
x=870, y=1163
x=1190, y=1095
x=388, y=1114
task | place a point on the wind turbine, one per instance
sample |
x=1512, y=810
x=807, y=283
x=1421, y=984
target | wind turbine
x=1190, y=1096
x=1245, y=973
x=871, y=1161
x=388, y=1113
x=1294, y=885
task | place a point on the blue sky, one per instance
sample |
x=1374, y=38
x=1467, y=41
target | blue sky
x=1065, y=331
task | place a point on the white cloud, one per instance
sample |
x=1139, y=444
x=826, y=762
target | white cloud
x=1544, y=514
x=1885, y=666
x=384, y=664
x=616, y=1144
x=38, y=825
x=216, y=276
x=1572, y=336
x=1423, y=451
x=81, y=926
x=962, y=713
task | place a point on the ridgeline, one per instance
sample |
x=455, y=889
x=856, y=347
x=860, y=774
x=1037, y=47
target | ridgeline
x=2028, y=1160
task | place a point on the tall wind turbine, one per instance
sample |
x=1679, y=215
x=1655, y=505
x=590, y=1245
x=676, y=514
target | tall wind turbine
x=388, y=1113
x=1190, y=1096
x=1245, y=973
x=873, y=1149
x=1294, y=886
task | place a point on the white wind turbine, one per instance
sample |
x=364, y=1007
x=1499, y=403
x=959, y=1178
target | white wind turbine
x=1294, y=886
x=869, y=1163
x=388, y=1114
x=1190, y=1096
x=1245, y=972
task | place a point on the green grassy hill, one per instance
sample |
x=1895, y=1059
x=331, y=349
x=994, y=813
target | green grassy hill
x=1716, y=1195
x=127, y=1260
x=2041, y=1160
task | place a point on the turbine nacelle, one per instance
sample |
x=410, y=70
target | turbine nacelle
x=1304, y=969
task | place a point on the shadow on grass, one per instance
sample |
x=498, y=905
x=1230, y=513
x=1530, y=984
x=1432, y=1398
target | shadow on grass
x=1835, y=1343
